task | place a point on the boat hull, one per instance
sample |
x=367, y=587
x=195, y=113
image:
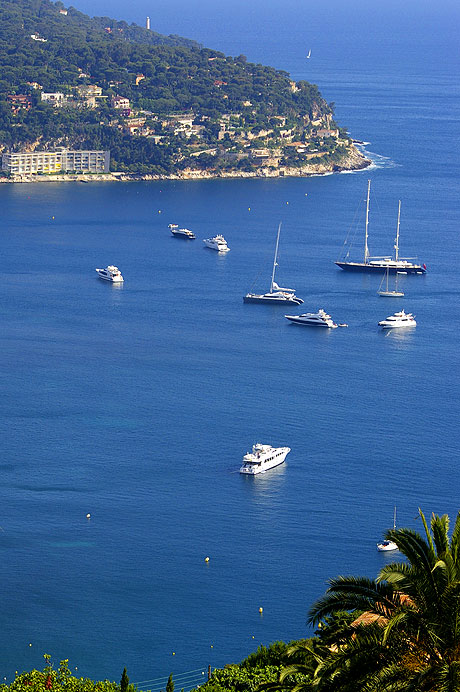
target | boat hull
x=113, y=280
x=379, y=268
x=272, y=301
x=310, y=323
x=386, y=546
x=177, y=234
x=255, y=469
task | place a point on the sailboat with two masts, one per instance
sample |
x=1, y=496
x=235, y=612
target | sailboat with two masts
x=400, y=265
x=276, y=295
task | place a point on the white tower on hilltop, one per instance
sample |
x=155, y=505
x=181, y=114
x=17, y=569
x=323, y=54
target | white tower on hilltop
x=147, y=23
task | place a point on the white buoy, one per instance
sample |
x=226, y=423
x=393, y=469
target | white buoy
x=88, y=516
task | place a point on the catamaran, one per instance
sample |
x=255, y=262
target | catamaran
x=396, y=264
x=276, y=295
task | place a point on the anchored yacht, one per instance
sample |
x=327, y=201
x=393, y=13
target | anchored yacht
x=181, y=232
x=313, y=319
x=394, y=265
x=262, y=458
x=110, y=273
x=399, y=319
x=217, y=243
x=276, y=294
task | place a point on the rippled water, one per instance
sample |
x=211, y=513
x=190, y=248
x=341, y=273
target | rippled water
x=135, y=403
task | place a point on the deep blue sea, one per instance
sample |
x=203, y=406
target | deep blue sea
x=135, y=403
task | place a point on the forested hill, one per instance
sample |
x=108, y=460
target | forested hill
x=179, y=74
x=70, y=80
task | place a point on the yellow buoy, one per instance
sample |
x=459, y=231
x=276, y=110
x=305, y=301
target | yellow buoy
x=173, y=653
x=52, y=217
x=249, y=208
x=253, y=636
x=30, y=644
x=212, y=646
x=88, y=516
x=206, y=559
x=261, y=610
x=159, y=211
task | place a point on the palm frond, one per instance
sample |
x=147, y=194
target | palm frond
x=440, y=531
x=350, y=593
x=455, y=545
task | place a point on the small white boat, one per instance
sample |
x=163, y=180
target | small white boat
x=181, y=232
x=217, y=243
x=384, y=288
x=313, y=319
x=262, y=458
x=386, y=545
x=399, y=319
x=110, y=273
x=276, y=294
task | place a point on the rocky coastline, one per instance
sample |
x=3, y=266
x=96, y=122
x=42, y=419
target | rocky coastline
x=354, y=161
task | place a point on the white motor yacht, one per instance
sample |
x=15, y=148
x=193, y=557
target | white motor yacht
x=262, y=458
x=399, y=319
x=313, y=319
x=217, y=243
x=181, y=232
x=110, y=273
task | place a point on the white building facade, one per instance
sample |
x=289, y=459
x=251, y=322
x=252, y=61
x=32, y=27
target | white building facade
x=62, y=161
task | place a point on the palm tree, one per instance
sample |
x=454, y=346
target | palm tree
x=405, y=635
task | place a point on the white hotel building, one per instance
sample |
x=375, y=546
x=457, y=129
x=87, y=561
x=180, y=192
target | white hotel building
x=61, y=161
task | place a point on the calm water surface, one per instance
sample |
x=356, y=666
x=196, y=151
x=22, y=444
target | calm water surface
x=135, y=403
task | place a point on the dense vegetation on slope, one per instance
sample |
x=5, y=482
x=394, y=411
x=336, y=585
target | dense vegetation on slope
x=45, y=47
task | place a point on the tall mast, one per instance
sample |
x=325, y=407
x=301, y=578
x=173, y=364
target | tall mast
x=397, y=233
x=366, y=248
x=275, y=258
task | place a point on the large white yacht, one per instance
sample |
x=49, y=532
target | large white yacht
x=262, y=458
x=399, y=319
x=313, y=319
x=110, y=273
x=181, y=232
x=217, y=243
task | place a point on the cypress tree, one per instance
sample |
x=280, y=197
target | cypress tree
x=170, y=684
x=124, y=682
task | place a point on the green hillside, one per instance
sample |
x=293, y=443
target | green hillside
x=233, y=104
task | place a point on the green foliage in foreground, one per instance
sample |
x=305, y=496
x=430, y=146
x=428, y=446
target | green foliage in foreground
x=60, y=680
x=398, y=633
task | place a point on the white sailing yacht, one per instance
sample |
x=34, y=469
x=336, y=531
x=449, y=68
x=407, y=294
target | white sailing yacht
x=276, y=294
x=386, y=545
x=384, y=289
